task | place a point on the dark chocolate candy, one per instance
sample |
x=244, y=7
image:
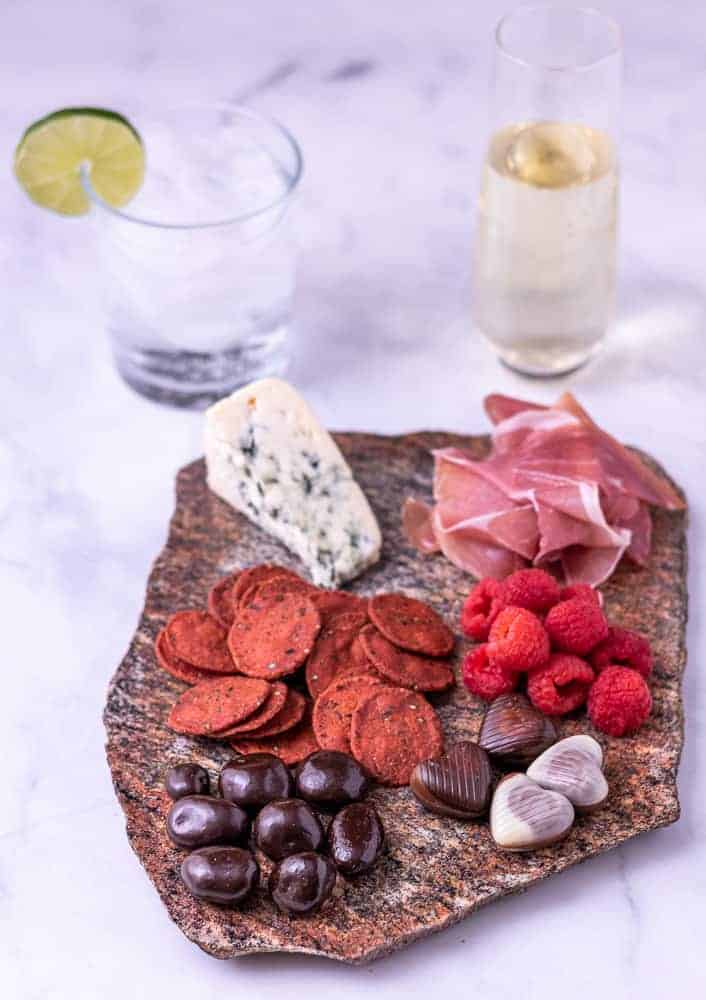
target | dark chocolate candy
x=253, y=780
x=331, y=778
x=456, y=784
x=301, y=883
x=514, y=732
x=199, y=820
x=187, y=779
x=356, y=838
x=288, y=826
x=225, y=875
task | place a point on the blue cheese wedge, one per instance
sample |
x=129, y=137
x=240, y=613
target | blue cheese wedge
x=269, y=457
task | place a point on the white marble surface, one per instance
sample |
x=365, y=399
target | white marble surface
x=388, y=101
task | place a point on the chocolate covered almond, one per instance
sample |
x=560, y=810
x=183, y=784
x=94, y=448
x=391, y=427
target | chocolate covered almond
x=356, y=838
x=458, y=783
x=201, y=820
x=514, y=732
x=224, y=875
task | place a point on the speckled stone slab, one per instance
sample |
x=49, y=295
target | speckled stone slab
x=436, y=871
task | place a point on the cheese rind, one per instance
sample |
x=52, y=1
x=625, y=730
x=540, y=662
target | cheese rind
x=269, y=457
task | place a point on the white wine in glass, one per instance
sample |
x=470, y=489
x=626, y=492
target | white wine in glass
x=545, y=249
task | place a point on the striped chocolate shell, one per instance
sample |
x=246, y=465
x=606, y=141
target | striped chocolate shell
x=573, y=766
x=456, y=784
x=525, y=817
x=514, y=732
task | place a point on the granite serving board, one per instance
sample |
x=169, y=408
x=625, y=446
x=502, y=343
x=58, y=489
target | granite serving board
x=435, y=871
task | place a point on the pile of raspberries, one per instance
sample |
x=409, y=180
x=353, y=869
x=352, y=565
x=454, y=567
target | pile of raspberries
x=561, y=640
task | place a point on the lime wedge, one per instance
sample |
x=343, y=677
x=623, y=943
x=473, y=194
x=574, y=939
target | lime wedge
x=50, y=154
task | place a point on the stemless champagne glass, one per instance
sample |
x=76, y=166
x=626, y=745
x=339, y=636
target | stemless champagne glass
x=198, y=270
x=545, y=248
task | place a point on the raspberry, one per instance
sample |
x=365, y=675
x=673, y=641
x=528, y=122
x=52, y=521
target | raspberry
x=481, y=609
x=623, y=648
x=517, y=640
x=583, y=590
x=561, y=686
x=576, y=626
x=619, y=701
x=534, y=589
x=484, y=678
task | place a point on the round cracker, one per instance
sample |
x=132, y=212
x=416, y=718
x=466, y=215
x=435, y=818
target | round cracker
x=333, y=710
x=216, y=705
x=220, y=600
x=289, y=716
x=273, y=587
x=266, y=712
x=290, y=747
x=392, y=730
x=359, y=656
x=169, y=661
x=348, y=621
x=195, y=636
x=333, y=602
x=358, y=661
x=332, y=652
x=409, y=670
x=273, y=638
x=257, y=574
x=411, y=624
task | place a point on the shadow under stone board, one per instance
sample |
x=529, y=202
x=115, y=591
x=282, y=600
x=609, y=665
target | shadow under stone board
x=436, y=871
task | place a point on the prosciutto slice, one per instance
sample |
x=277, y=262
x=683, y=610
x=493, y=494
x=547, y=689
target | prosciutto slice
x=417, y=525
x=622, y=470
x=555, y=491
x=467, y=501
x=627, y=512
x=481, y=558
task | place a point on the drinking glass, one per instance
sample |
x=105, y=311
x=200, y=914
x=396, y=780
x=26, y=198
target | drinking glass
x=198, y=269
x=545, y=246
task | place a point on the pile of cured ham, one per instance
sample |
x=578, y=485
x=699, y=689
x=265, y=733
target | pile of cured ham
x=555, y=491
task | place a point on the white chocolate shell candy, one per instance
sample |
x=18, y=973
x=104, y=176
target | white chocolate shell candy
x=524, y=816
x=573, y=767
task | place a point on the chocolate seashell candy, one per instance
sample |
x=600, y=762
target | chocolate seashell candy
x=574, y=767
x=514, y=732
x=524, y=816
x=458, y=783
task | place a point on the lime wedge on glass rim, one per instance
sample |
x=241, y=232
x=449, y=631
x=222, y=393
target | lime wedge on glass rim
x=51, y=153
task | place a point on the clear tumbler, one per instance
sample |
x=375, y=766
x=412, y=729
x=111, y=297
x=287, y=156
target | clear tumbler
x=545, y=248
x=198, y=270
